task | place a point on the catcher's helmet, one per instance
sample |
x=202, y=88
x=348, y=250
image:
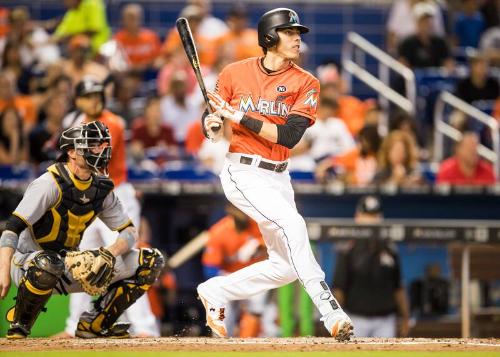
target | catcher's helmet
x=84, y=139
x=89, y=86
x=277, y=19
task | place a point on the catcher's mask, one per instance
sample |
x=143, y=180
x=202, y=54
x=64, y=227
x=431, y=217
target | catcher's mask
x=92, y=141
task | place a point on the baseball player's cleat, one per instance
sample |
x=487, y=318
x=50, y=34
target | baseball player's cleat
x=16, y=332
x=215, y=317
x=341, y=326
x=118, y=330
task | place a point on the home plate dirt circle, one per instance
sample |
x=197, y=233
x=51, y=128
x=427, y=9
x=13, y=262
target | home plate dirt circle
x=252, y=344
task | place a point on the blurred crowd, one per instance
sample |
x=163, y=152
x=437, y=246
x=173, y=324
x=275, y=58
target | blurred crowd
x=150, y=85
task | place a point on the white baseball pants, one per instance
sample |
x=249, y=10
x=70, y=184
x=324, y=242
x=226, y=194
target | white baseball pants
x=268, y=198
x=376, y=326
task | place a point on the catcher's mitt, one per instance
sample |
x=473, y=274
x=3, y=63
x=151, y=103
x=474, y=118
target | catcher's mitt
x=93, y=269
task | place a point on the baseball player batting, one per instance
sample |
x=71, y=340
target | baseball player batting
x=269, y=103
x=38, y=249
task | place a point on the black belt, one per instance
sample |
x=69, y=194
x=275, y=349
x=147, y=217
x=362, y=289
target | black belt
x=265, y=164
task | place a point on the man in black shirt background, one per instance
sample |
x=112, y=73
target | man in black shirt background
x=368, y=280
x=478, y=85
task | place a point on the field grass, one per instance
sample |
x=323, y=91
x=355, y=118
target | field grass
x=252, y=354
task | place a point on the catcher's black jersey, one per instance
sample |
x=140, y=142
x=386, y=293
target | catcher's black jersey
x=58, y=207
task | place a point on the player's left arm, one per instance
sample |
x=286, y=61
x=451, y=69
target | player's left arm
x=114, y=216
x=301, y=115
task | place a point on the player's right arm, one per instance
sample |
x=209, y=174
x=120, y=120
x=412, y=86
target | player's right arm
x=40, y=195
x=114, y=216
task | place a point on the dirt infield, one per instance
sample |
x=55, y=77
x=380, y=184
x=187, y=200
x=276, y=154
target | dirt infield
x=259, y=344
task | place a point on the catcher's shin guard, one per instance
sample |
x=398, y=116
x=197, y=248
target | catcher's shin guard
x=34, y=291
x=100, y=321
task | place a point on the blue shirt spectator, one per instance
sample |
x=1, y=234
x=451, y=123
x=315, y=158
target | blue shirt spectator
x=469, y=25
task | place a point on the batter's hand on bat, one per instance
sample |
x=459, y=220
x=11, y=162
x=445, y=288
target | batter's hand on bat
x=223, y=108
x=213, y=125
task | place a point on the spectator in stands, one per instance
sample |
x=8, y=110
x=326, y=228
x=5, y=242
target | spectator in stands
x=79, y=64
x=177, y=110
x=11, y=61
x=368, y=280
x=126, y=100
x=210, y=26
x=23, y=104
x=466, y=167
x=33, y=40
x=358, y=166
x=205, y=45
x=351, y=109
x=12, y=144
x=402, y=120
x=328, y=137
x=4, y=21
x=397, y=161
x=490, y=45
x=402, y=22
x=425, y=48
x=43, y=137
x=84, y=17
x=235, y=242
x=149, y=133
x=141, y=45
x=469, y=25
x=478, y=85
x=490, y=10
x=240, y=41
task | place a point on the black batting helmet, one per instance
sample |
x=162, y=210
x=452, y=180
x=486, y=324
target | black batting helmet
x=84, y=138
x=89, y=86
x=274, y=20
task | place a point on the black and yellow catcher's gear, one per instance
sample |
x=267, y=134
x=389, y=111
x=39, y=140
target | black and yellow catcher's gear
x=79, y=203
x=34, y=291
x=101, y=320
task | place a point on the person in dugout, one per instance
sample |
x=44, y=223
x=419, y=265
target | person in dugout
x=235, y=242
x=368, y=279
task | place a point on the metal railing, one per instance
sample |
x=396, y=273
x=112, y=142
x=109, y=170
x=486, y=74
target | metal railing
x=442, y=128
x=353, y=52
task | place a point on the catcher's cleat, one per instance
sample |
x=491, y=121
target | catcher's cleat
x=117, y=330
x=17, y=332
x=215, y=317
x=340, y=325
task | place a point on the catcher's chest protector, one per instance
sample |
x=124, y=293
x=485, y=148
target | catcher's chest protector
x=62, y=226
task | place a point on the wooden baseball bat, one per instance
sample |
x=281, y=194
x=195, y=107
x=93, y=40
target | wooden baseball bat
x=189, y=250
x=192, y=55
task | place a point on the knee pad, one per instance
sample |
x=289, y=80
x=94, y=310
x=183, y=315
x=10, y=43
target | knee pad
x=151, y=263
x=45, y=270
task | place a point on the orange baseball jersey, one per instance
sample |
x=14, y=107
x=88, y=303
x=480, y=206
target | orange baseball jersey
x=224, y=242
x=269, y=97
x=140, y=49
x=117, y=165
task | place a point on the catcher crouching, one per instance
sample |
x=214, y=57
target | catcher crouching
x=39, y=248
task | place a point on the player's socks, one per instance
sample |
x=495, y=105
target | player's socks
x=336, y=321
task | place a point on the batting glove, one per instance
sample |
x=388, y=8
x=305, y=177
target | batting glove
x=223, y=108
x=213, y=126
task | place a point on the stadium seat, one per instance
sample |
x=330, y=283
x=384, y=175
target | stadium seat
x=183, y=171
x=15, y=173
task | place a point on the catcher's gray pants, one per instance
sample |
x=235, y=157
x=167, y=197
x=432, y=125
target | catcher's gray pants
x=126, y=266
